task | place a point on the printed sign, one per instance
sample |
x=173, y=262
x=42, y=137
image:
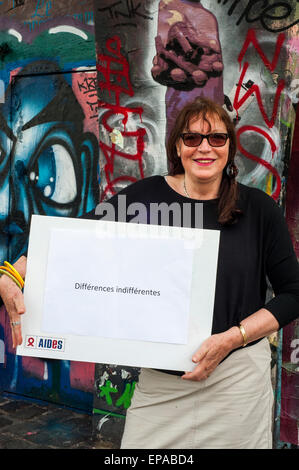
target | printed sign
x=118, y=293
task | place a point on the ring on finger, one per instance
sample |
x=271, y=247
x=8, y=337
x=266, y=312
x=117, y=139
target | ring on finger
x=15, y=323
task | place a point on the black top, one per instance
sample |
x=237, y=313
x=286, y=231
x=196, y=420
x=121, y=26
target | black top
x=257, y=246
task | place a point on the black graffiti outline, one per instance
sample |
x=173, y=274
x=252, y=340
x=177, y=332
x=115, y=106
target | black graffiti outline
x=264, y=15
x=132, y=12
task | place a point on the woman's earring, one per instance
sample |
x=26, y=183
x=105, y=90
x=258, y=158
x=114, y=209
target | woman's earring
x=231, y=170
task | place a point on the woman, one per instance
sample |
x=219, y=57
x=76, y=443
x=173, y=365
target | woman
x=226, y=400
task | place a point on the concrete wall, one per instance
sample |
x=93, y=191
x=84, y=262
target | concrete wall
x=58, y=157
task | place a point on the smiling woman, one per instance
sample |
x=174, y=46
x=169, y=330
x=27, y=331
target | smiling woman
x=225, y=400
x=203, y=162
x=201, y=150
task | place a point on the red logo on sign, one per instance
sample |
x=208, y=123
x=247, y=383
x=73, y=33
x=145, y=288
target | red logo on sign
x=30, y=341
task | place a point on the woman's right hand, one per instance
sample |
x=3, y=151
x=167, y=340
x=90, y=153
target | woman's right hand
x=13, y=300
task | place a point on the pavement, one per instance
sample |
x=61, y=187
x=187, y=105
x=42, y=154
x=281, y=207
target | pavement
x=28, y=424
x=25, y=424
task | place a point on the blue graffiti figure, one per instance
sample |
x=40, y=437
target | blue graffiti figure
x=48, y=164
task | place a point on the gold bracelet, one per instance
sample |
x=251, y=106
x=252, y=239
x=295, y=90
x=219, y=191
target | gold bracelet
x=243, y=332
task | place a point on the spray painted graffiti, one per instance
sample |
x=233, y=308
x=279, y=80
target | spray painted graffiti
x=289, y=377
x=124, y=400
x=152, y=57
x=243, y=54
x=188, y=56
x=295, y=352
x=49, y=160
x=123, y=13
x=265, y=12
x=238, y=102
x=114, y=77
x=49, y=147
x=113, y=392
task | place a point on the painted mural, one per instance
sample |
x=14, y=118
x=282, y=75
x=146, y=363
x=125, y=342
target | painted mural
x=49, y=145
x=154, y=56
x=88, y=91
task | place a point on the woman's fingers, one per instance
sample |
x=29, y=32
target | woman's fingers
x=15, y=318
x=16, y=333
x=200, y=372
x=200, y=354
x=15, y=308
x=208, y=356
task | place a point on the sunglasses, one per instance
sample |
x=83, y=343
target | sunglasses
x=194, y=139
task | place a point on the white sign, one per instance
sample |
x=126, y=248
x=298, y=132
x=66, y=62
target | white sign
x=122, y=288
x=111, y=292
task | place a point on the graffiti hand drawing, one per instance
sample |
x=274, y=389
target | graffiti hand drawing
x=187, y=55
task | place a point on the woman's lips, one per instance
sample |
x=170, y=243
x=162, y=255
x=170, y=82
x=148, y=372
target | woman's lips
x=204, y=161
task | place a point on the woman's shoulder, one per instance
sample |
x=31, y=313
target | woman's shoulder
x=252, y=194
x=145, y=184
x=258, y=201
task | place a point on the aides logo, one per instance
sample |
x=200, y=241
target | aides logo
x=45, y=343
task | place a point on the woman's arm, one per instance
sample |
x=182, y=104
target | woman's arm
x=258, y=325
x=283, y=273
x=13, y=300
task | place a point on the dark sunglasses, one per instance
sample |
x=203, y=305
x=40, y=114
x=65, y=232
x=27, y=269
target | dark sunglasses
x=194, y=139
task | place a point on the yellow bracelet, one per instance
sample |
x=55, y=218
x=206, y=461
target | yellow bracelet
x=4, y=268
x=15, y=272
x=2, y=271
x=243, y=332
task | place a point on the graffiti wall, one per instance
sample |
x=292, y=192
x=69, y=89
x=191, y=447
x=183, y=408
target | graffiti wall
x=154, y=56
x=289, y=371
x=88, y=94
x=49, y=147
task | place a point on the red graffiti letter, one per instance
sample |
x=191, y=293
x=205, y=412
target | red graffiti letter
x=260, y=160
x=251, y=38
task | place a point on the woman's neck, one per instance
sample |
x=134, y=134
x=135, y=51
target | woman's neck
x=203, y=190
x=182, y=185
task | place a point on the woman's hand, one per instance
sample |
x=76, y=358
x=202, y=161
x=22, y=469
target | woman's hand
x=211, y=352
x=13, y=300
x=257, y=325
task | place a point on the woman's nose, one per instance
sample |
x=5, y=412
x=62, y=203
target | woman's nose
x=204, y=145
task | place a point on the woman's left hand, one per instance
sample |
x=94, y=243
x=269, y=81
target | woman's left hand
x=211, y=352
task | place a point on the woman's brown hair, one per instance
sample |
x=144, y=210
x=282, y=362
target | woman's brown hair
x=205, y=108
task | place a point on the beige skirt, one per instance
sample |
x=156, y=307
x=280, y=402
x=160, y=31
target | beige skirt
x=231, y=409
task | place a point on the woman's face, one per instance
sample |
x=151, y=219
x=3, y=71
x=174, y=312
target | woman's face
x=204, y=163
